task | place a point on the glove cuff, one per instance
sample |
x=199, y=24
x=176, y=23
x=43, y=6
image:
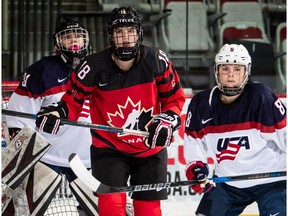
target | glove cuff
x=62, y=109
x=13, y=132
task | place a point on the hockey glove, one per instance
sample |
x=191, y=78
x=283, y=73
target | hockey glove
x=48, y=118
x=199, y=171
x=162, y=128
x=13, y=132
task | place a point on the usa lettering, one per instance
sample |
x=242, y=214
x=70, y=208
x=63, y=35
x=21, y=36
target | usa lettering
x=241, y=141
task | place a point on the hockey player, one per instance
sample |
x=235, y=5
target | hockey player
x=44, y=83
x=243, y=128
x=127, y=79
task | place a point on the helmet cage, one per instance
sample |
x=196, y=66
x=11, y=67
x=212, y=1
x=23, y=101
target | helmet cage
x=125, y=17
x=76, y=50
x=230, y=91
x=232, y=54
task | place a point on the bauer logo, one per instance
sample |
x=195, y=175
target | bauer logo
x=157, y=187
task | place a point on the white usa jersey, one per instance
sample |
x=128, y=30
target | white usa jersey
x=44, y=83
x=245, y=137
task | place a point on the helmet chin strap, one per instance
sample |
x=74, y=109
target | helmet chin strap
x=76, y=62
x=231, y=91
x=67, y=60
x=63, y=58
x=125, y=53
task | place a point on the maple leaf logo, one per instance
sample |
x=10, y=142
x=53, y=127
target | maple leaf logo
x=131, y=116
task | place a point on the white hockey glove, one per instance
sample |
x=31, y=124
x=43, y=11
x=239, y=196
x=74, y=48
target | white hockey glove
x=48, y=118
x=162, y=128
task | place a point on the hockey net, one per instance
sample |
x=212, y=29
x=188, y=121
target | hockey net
x=64, y=202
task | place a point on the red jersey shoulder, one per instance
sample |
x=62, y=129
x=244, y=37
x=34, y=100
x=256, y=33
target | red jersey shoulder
x=155, y=59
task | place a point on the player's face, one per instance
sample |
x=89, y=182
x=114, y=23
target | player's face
x=73, y=41
x=125, y=36
x=231, y=75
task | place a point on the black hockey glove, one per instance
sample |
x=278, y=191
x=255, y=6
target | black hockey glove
x=199, y=171
x=162, y=128
x=13, y=132
x=48, y=118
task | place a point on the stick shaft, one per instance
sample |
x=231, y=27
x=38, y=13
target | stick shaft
x=160, y=186
x=249, y=177
x=79, y=123
x=82, y=173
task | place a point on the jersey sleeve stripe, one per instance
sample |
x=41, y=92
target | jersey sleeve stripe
x=236, y=127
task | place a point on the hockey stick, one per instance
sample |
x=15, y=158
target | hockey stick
x=80, y=124
x=105, y=189
x=82, y=173
x=90, y=182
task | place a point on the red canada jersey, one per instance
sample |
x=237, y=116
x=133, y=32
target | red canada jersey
x=127, y=99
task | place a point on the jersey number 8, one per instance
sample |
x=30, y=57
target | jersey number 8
x=82, y=73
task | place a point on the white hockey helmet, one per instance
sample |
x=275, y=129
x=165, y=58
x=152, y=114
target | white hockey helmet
x=232, y=54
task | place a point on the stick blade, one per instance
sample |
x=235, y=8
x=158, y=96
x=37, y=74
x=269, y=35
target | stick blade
x=85, y=196
x=105, y=189
x=82, y=173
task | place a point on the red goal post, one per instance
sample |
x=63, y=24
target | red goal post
x=7, y=88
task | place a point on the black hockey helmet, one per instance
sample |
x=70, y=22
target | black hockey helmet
x=75, y=49
x=122, y=17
